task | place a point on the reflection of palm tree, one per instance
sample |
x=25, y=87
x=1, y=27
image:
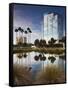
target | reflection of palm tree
x=29, y=60
x=20, y=57
x=25, y=55
x=40, y=55
x=42, y=58
x=62, y=57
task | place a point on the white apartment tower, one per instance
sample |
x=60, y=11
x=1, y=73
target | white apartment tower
x=50, y=26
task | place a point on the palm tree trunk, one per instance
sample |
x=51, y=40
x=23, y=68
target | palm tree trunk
x=28, y=38
x=22, y=37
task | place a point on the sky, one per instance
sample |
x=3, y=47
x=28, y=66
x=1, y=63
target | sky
x=32, y=16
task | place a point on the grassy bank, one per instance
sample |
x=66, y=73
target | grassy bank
x=45, y=50
x=50, y=75
x=22, y=75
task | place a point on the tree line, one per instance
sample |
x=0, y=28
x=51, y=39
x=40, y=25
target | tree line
x=51, y=43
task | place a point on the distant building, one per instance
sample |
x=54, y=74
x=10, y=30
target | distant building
x=19, y=40
x=52, y=26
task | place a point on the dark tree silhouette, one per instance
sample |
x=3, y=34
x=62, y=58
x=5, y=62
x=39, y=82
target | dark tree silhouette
x=25, y=32
x=36, y=58
x=20, y=56
x=16, y=30
x=52, y=41
x=62, y=40
x=19, y=29
x=36, y=42
x=52, y=59
x=42, y=42
x=25, y=55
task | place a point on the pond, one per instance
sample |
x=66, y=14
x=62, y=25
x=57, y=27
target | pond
x=36, y=62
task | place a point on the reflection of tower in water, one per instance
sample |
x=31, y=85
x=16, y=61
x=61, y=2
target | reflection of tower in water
x=61, y=63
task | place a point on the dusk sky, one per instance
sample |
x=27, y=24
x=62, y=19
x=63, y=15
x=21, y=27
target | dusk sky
x=32, y=16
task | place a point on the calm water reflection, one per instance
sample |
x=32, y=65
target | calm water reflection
x=38, y=61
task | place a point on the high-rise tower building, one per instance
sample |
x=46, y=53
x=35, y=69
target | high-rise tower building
x=51, y=26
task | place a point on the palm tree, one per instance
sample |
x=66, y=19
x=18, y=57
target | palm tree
x=19, y=56
x=42, y=58
x=16, y=30
x=42, y=42
x=22, y=30
x=19, y=29
x=36, y=42
x=29, y=30
x=25, y=57
x=63, y=40
x=52, y=41
x=25, y=38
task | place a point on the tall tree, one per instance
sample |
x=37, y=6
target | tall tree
x=36, y=42
x=25, y=38
x=29, y=30
x=19, y=29
x=16, y=30
x=22, y=30
x=42, y=42
x=52, y=41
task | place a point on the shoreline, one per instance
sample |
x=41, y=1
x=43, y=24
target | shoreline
x=45, y=50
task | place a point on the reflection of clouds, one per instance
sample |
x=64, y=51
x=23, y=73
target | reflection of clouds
x=30, y=57
x=29, y=61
